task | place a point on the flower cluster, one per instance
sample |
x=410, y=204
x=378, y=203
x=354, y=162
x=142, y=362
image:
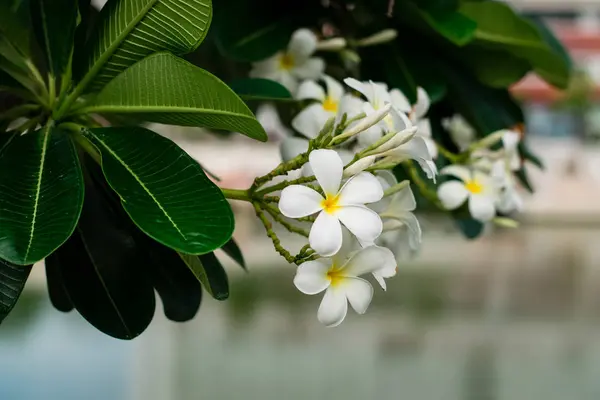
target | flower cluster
x=336, y=174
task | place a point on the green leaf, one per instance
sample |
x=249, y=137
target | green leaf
x=41, y=199
x=528, y=155
x=56, y=285
x=127, y=31
x=178, y=288
x=12, y=281
x=260, y=89
x=498, y=26
x=451, y=25
x=495, y=68
x=166, y=89
x=15, y=24
x=523, y=177
x=247, y=31
x=469, y=227
x=211, y=274
x=16, y=73
x=232, y=249
x=104, y=272
x=163, y=189
x=54, y=25
x=551, y=40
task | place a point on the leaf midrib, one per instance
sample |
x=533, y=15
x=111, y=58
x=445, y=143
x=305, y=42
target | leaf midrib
x=492, y=37
x=99, y=63
x=157, y=109
x=46, y=135
x=124, y=164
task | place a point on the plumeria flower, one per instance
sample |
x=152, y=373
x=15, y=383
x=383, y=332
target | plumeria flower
x=474, y=186
x=293, y=64
x=510, y=144
x=267, y=116
x=509, y=198
x=330, y=103
x=460, y=131
x=340, y=278
x=341, y=205
x=377, y=96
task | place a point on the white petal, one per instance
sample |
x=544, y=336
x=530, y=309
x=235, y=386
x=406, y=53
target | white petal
x=423, y=103
x=361, y=189
x=328, y=168
x=299, y=201
x=310, y=121
x=424, y=128
x=302, y=44
x=414, y=229
x=326, y=235
x=359, y=166
x=482, y=208
x=380, y=280
x=268, y=117
x=462, y=173
x=350, y=105
x=333, y=308
x=379, y=95
x=289, y=81
x=311, y=277
x=429, y=168
x=369, y=136
x=399, y=120
x=310, y=89
x=359, y=293
x=349, y=246
x=397, y=140
x=416, y=149
x=345, y=155
x=387, y=177
x=510, y=140
x=452, y=194
x=363, y=88
x=402, y=201
x=432, y=147
x=335, y=90
x=368, y=260
x=291, y=147
x=363, y=222
x=399, y=101
x=310, y=69
x=265, y=68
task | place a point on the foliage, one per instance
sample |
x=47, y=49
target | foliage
x=119, y=212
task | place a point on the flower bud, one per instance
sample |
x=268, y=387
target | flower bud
x=386, y=35
x=359, y=166
x=334, y=44
x=365, y=123
x=506, y=222
x=398, y=139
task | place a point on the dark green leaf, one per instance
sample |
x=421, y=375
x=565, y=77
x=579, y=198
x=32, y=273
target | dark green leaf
x=233, y=250
x=498, y=26
x=495, y=68
x=524, y=179
x=104, y=272
x=470, y=228
x=260, y=89
x=528, y=155
x=179, y=290
x=164, y=190
x=56, y=285
x=551, y=40
x=127, y=31
x=166, y=89
x=12, y=281
x=41, y=199
x=54, y=25
x=15, y=24
x=211, y=274
x=247, y=31
x=16, y=73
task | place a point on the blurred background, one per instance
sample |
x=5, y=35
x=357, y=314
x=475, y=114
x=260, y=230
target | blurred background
x=514, y=315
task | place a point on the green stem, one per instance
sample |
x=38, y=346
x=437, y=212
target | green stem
x=272, y=235
x=51, y=91
x=454, y=158
x=277, y=217
x=82, y=141
x=283, y=185
x=236, y=194
x=40, y=81
x=19, y=111
x=422, y=185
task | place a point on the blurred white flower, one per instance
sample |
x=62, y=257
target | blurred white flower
x=509, y=199
x=267, y=116
x=510, y=144
x=345, y=205
x=340, y=279
x=461, y=132
x=474, y=186
x=293, y=64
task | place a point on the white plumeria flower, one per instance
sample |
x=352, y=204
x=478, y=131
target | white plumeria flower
x=293, y=64
x=340, y=279
x=330, y=103
x=510, y=144
x=476, y=187
x=345, y=205
x=461, y=132
x=267, y=116
x=509, y=199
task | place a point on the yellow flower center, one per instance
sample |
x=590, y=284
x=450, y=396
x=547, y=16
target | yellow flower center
x=330, y=105
x=330, y=204
x=286, y=61
x=474, y=187
x=334, y=275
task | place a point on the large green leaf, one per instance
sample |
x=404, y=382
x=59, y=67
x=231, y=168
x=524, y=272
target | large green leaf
x=260, y=89
x=211, y=274
x=164, y=190
x=54, y=24
x=232, y=249
x=551, y=40
x=166, y=89
x=56, y=285
x=495, y=68
x=41, y=198
x=498, y=26
x=129, y=30
x=15, y=24
x=104, y=271
x=178, y=288
x=12, y=281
